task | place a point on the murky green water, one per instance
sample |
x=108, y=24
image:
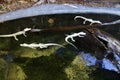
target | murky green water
x=46, y=64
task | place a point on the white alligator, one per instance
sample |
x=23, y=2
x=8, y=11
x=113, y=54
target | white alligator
x=39, y=45
x=80, y=34
x=87, y=19
x=17, y=33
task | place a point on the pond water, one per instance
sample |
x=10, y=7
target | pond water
x=55, y=29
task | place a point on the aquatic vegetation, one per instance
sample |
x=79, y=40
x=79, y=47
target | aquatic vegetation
x=11, y=71
x=56, y=62
x=78, y=70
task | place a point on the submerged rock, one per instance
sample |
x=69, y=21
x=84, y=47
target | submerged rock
x=106, y=63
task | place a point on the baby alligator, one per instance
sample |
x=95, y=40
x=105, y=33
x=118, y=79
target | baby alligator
x=80, y=34
x=17, y=33
x=40, y=45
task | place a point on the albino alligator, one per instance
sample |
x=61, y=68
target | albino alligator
x=17, y=33
x=40, y=45
x=80, y=34
x=87, y=19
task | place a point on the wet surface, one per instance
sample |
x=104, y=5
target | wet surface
x=56, y=57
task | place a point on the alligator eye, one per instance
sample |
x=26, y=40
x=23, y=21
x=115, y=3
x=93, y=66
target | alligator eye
x=104, y=42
